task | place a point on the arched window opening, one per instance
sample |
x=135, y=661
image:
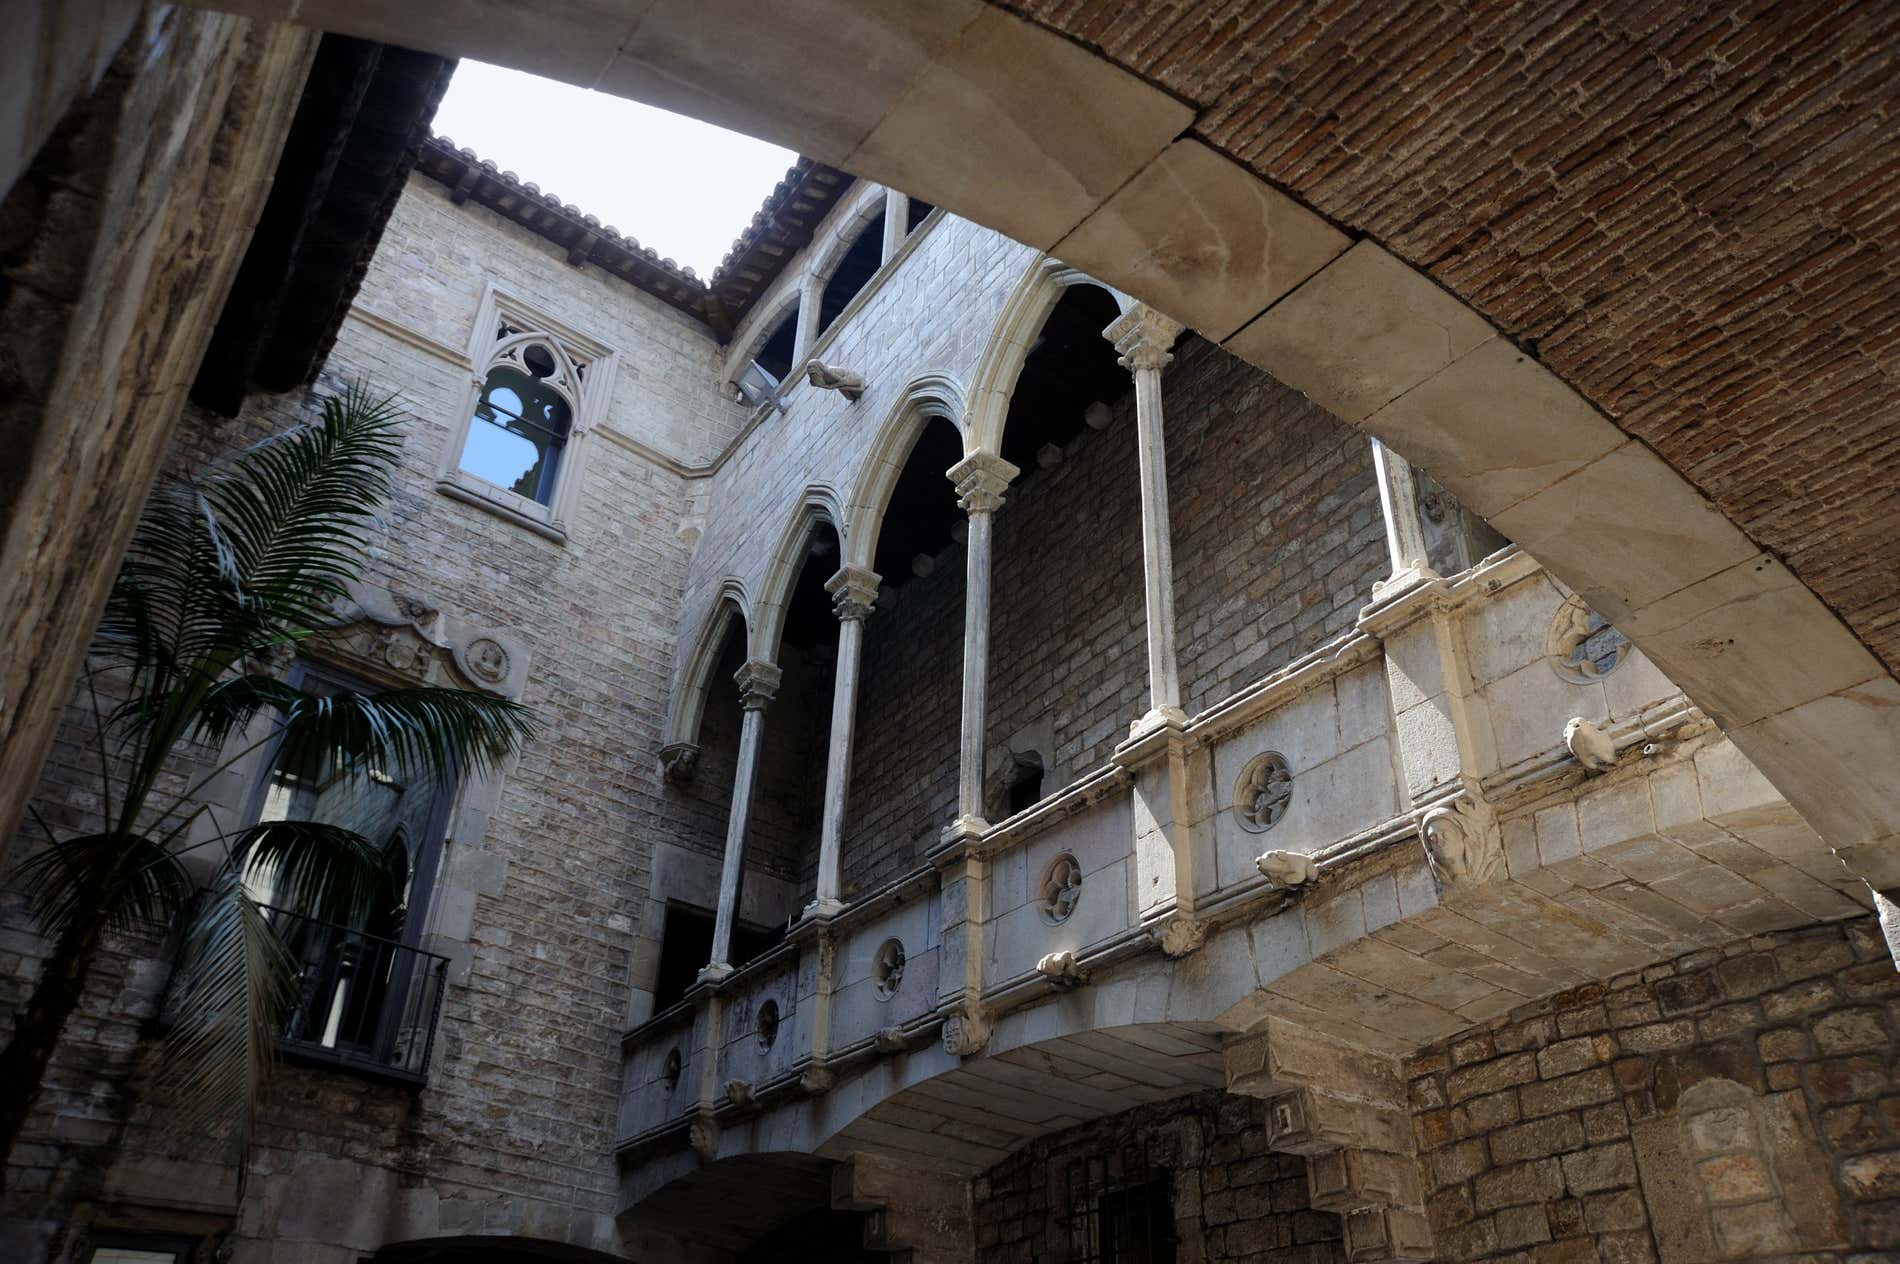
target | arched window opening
x=1069, y=368
x=798, y=725
x=859, y=264
x=919, y=211
x=772, y=361
x=1025, y=782
x=520, y=428
x=922, y=519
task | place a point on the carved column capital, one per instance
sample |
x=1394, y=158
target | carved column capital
x=758, y=684
x=853, y=591
x=980, y=480
x=1143, y=337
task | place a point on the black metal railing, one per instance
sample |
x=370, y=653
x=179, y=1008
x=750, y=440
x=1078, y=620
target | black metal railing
x=361, y=1001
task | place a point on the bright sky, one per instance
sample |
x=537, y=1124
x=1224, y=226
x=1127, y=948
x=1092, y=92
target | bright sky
x=681, y=187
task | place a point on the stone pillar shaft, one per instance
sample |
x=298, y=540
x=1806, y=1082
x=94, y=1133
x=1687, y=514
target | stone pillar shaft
x=852, y=590
x=1398, y=501
x=758, y=682
x=980, y=480
x=896, y=220
x=1143, y=337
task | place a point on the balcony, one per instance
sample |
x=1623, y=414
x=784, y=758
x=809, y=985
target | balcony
x=361, y=1002
x=1380, y=845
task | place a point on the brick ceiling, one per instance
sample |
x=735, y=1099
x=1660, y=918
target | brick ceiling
x=1691, y=212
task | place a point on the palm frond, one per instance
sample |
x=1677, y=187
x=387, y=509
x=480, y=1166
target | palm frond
x=232, y=987
x=404, y=731
x=324, y=871
x=122, y=879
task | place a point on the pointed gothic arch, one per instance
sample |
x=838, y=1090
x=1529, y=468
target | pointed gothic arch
x=817, y=506
x=1028, y=306
x=926, y=398
x=689, y=699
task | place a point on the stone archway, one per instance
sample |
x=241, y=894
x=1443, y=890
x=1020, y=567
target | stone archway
x=1124, y=163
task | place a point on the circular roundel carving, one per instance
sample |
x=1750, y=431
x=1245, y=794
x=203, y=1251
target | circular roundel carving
x=1059, y=889
x=486, y=659
x=767, y=1024
x=671, y=1073
x=1263, y=793
x=887, y=969
x=1581, y=646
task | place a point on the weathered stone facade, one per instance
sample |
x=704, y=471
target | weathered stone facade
x=1416, y=823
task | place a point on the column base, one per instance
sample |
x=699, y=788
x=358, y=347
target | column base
x=822, y=908
x=1156, y=719
x=1398, y=581
x=964, y=829
x=715, y=972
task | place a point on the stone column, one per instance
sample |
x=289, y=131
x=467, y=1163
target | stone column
x=980, y=480
x=1142, y=336
x=852, y=590
x=810, y=295
x=896, y=220
x=758, y=682
x=1404, y=533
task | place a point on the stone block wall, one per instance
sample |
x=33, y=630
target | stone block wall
x=1232, y=1200
x=1277, y=541
x=1735, y=1104
x=514, y=1131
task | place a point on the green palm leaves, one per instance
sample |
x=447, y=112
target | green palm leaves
x=254, y=554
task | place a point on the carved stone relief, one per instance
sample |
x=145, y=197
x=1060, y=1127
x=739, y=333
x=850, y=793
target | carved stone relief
x=1263, y=792
x=384, y=632
x=887, y=969
x=766, y=1025
x=1581, y=646
x=1462, y=841
x=1060, y=889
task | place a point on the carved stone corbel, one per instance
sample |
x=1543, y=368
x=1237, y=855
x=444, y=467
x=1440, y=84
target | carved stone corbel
x=1060, y=969
x=1178, y=936
x=678, y=762
x=828, y=377
x=816, y=1079
x=1287, y=868
x=703, y=1135
x=965, y=1032
x=1462, y=841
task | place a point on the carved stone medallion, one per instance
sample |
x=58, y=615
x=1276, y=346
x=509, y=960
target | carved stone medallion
x=1060, y=889
x=487, y=660
x=887, y=968
x=1581, y=646
x=1263, y=792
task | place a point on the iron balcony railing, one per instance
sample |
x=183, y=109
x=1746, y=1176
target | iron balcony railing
x=361, y=1001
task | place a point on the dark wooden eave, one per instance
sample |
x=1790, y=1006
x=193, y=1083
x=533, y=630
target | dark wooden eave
x=780, y=228
x=364, y=109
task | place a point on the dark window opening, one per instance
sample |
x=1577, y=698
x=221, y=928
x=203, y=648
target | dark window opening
x=519, y=428
x=859, y=265
x=364, y=996
x=142, y=1248
x=922, y=516
x=1069, y=367
x=686, y=945
x=1130, y=1223
x=775, y=357
x=919, y=211
x=1025, y=782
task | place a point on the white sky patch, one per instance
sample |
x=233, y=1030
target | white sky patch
x=679, y=186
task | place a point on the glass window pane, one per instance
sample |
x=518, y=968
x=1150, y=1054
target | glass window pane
x=515, y=437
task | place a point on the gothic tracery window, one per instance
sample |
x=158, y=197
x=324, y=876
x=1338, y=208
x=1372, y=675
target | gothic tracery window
x=521, y=423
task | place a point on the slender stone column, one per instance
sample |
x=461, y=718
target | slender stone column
x=980, y=480
x=1143, y=337
x=758, y=682
x=1404, y=533
x=852, y=590
x=896, y=220
x=809, y=296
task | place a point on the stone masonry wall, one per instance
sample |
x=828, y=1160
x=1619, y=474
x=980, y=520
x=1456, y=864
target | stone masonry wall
x=1232, y=1200
x=514, y=1132
x=1737, y=1103
x=1277, y=541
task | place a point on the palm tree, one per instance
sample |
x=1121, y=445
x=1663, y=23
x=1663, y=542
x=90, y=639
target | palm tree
x=227, y=568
